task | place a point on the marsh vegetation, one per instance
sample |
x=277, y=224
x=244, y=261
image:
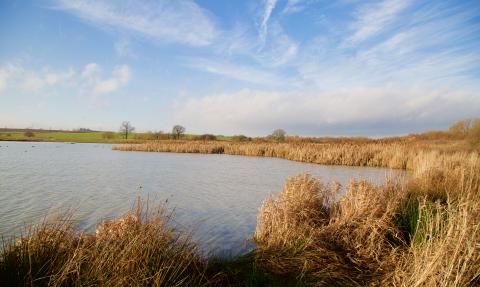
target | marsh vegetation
x=421, y=232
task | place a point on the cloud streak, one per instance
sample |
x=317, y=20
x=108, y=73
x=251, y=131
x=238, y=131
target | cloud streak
x=267, y=12
x=234, y=71
x=372, y=19
x=163, y=21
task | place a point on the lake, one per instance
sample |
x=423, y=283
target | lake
x=214, y=196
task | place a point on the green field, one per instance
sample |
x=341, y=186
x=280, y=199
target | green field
x=93, y=137
x=85, y=137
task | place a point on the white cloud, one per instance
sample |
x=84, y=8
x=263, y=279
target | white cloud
x=120, y=77
x=45, y=80
x=234, y=71
x=91, y=71
x=293, y=6
x=436, y=50
x=259, y=112
x=371, y=19
x=165, y=21
x=280, y=50
x=237, y=41
x=267, y=12
x=34, y=81
x=8, y=73
x=52, y=78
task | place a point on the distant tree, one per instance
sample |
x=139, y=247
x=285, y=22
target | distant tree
x=83, y=130
x=465, y=128
x=126, y=128
x=473, y=135
x=460, y=128
x=178, y=131
x=278, y=135
x=29, y=134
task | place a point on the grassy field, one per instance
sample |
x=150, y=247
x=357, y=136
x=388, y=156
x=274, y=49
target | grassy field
x=91, y=137
x=424, y=231
x=88, y=137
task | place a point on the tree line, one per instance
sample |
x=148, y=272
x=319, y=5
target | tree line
x=126, y=128
x=178, y=131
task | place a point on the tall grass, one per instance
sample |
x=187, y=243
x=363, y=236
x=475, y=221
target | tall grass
x=423, y=233
x=138, y=249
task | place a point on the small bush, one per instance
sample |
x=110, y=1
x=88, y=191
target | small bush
x=206, y=137
x=29, y=134
x=277, y=135
x=241, y=138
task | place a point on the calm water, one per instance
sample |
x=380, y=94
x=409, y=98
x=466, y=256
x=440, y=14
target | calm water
x=216, y=195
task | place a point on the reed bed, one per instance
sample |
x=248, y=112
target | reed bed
x=425, y=232
x=398, y=154
x=421, y=232
x=138, y=249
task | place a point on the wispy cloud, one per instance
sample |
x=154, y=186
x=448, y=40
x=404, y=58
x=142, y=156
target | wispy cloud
x=293, y=6
x=433, y=50
x=234, y=71
x=280, y=50
x=416, y=71
x=372, y=19
x=266, y=12
x=164, y=21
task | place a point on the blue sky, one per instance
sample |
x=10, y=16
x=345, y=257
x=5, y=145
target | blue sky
x=240, y=67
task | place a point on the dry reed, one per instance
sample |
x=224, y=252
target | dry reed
x=398, y=154
x=422, y=233
x=138, y=249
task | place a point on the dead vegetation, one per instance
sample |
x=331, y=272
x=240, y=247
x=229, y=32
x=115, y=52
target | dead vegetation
x=423, y=233
x=138, y=249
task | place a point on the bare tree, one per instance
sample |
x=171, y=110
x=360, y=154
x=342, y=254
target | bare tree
x=126, y=128
x=278, y=135
x=177, y=131
x=462, y=128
